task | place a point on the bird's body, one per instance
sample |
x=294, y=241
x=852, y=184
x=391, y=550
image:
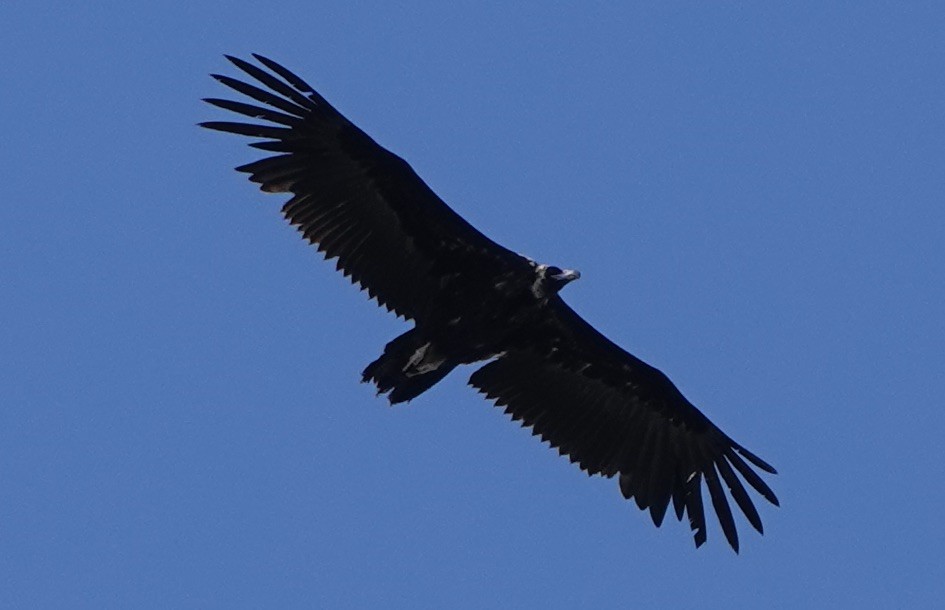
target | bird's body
x=479, y=314
x=473, y=300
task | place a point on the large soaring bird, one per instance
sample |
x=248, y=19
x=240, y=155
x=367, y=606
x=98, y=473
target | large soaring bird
x=472, y=300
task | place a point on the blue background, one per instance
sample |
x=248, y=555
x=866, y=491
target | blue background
x=754, y=194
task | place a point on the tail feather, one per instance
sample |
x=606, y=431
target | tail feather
x=406, y=369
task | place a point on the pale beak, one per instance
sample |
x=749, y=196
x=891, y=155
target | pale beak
x=567, y=275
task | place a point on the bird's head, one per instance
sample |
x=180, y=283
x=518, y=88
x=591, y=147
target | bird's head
x=551, y=279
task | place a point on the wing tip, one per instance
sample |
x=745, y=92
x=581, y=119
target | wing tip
x=236, y=61
x=266, y=61
x=754, y=459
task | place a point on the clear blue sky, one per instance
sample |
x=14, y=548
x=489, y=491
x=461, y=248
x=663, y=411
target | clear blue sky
x=755, y=195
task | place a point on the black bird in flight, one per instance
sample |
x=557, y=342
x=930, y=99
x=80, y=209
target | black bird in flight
x=472, y=300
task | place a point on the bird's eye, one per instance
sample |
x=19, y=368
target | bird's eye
x=550, y=271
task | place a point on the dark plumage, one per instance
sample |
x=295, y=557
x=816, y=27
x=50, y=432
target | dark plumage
x=473, y=300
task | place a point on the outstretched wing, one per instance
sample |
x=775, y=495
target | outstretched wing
x=614, y=414
x=352, y=198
